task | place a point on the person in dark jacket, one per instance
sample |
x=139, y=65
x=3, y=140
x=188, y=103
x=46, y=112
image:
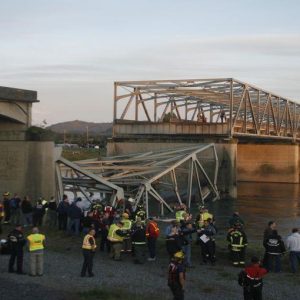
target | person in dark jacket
x=186, y=232
x=16, y=242
x=173, y=238
x=251, y=280
x=74, y=216
x=26, y=208
x=267, y=232
x=52, y=213
x=207, y=242
x=275, y=248
x=138, y=238
x=15, y=209
x=104, y=224
x=6, y=206
x=62, y=211
x=38, y=213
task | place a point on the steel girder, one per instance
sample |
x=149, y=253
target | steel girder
x=146, y=176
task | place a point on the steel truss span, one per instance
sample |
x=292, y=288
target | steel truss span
x=242, y=109
x=167, y=177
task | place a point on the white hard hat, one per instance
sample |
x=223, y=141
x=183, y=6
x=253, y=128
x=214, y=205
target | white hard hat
x=131, y=200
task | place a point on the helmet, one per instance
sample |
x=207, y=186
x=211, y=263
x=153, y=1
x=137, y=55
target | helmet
x=131, y=200
x=6, y=194
x=125, y=215
x=179, y=254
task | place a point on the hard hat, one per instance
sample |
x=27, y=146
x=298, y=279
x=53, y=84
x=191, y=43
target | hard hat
x=6, y=194
x=131, y=200
x=179, y=254
x=125, y=215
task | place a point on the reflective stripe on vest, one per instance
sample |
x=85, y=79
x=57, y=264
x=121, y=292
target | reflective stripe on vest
x=86, y=243
x=36, y=241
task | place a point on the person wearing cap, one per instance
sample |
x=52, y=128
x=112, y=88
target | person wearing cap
x=36, y=249
x=88, y=250
x=16, y=242
x=116, y=236
x=176, y=276
x=138, y=237
x=236, y=220
x=6, y=206
x=127, y=224
x=251, y=280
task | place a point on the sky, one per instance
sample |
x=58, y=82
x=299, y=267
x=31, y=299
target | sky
x=71, y=51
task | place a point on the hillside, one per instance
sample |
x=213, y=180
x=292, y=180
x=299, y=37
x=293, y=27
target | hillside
x=80, y=127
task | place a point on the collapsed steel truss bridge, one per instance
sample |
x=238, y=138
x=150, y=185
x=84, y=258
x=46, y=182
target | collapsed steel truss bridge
x=226, y=107
x=166, y=177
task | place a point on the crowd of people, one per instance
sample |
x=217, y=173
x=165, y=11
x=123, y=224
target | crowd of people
x=125, y=230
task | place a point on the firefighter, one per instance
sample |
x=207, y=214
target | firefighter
x=141, y=213
x=251, y=280
x=176, y=276
x=16, y=242
x=138, y=237
x=237, y=244
x=88, y=249
x=116, y=236
x=126, y=226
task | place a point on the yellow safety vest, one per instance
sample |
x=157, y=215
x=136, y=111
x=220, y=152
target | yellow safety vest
x=126, y=224
x=36, y=241
x=86, y=243
x=180, y=215
x=112, y=234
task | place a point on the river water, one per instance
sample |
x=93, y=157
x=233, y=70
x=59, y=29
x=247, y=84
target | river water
x=259, y=203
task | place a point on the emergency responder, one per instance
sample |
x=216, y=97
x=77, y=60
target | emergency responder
x=203, y=216
x=173, y=238
x=152, y=233
x=88, y=250
x=176, y=276
x=251, y=280
x=186, y=231
x=1, y=215
x=206, y=236
x=6, y=205
x=236, y=220
x=36, y=249
x=237, y=244
x=180, y=213
x=138, y=237
x=16, y=242
x=275, y=248
x=126, y=227
x=141, y=213
x=116, y=236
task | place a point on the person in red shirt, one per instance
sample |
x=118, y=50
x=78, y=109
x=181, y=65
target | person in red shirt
x=152, y=233
x=251, y=280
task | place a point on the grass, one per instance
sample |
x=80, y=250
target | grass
x=82, y=154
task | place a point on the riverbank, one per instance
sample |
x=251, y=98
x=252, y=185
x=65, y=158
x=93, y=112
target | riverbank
x=125, y=280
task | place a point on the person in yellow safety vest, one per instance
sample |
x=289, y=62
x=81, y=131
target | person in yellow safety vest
x=116, y=237
x=204, y=215
x=127, y=224
x=36, y=249
x=88, y=250
x=180, y=213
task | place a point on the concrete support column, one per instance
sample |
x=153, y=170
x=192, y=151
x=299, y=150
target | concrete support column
x=227, y=180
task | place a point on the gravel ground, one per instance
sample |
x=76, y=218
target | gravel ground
x=61, y=280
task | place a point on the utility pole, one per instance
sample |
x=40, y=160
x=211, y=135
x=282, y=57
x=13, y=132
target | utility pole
x=87, y=135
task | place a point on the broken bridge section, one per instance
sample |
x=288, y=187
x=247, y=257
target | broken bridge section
x=160, y=180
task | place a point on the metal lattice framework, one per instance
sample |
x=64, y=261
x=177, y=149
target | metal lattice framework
x=149, y=176
x=249, y=110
